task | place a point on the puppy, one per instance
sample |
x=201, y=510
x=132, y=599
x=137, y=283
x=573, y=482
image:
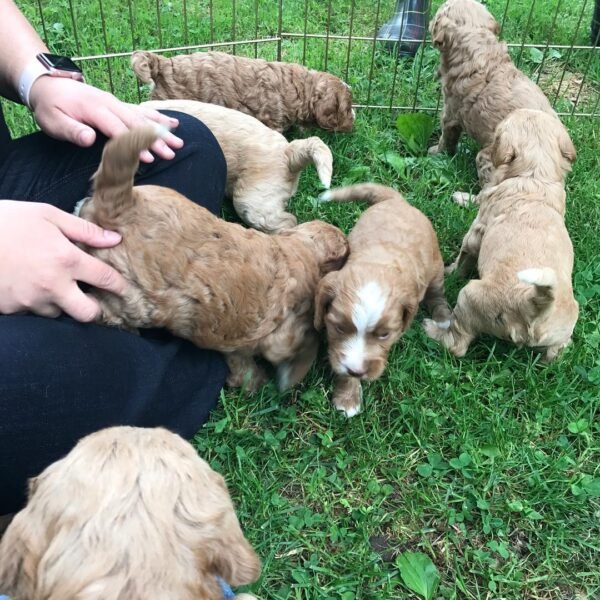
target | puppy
x=263, y=169
x=129, y=513
x=519, y=243
x=480, y=83
x=394, y=264
x=276, y=93
x=217, y=284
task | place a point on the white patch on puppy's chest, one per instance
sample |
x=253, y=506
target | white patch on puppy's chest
x=366, y=313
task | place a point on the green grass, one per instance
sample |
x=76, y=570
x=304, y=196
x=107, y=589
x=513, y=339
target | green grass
x=330, y=503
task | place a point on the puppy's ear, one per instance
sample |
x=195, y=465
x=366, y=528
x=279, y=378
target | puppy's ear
x=441, y=30
x=567, y=149
x=503, y=150
x=326, y=292
x=145, y=65
x=234, y=559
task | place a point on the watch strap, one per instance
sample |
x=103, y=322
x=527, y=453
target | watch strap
x=31, y=73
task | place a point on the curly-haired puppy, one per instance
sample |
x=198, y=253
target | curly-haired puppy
x=519, y=244
x=217, y=284
x=394, y=264
x=129, y=513
x=263, y=168
x=480, y=83
x=276, y=93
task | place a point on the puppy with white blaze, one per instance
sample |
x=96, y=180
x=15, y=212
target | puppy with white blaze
x=519, y=244
x=394, y=264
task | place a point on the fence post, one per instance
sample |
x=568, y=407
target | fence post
x=279, y=27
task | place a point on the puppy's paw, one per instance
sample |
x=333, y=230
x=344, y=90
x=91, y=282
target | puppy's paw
x=251, y=380
x=434, y=329
x=347, y=397
x=463, y=198
x=433, y=150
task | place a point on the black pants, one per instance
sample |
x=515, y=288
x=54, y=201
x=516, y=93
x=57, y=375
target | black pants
x=60, y=379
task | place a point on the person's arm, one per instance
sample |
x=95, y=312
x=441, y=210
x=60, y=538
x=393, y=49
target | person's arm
x=64, y=108
x=19, y=42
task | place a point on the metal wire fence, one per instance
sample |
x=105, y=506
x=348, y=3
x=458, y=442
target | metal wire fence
x=548, y=39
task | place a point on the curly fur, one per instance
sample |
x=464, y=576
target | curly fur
x=217, y=284
x=480, y=83
x=129, y=513
x=276, y=93
x=394, y=264
x=263, y=168
x=519, y=244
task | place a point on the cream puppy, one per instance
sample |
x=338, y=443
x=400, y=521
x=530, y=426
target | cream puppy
x=263, y=168
x=129, y=513
x=519, y=244
x=480, y=83
x=394, y=264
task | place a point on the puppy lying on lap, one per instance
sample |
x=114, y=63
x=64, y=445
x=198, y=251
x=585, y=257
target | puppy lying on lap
x=480, y=83
x=263, y=168
x=276, y=93
x=519, y=244
x=217, y=284
x=394, y=264
x=129, y=513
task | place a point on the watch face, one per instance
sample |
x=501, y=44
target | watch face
x=55, y=61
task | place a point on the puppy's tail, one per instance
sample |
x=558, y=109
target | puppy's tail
x=539, y=298
x=369, y=192
x=145, y=65
x=301, y=153
x=113, y=181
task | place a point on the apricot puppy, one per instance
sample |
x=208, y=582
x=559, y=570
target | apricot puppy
x=278, y=94
x=394, y=264
x=217, y=284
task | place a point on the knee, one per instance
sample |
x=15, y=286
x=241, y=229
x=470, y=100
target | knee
x=198, y=170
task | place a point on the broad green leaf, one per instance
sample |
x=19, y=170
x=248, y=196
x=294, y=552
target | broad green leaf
x=424, y=470
x=536, y=55
x=414, y=130
x=534, y=515
x=490, y=451
x=592, y=486
x=578, y=426
x=418, y=573
x=516, y=506
x=395, y=161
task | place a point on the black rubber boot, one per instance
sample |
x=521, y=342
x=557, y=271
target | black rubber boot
x=407, y=28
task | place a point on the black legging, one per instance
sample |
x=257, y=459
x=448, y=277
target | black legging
x=60, y=379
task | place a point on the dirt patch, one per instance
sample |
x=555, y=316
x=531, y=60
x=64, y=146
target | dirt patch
x=571, y=86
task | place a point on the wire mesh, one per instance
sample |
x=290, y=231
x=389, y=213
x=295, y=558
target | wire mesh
x=548, y=39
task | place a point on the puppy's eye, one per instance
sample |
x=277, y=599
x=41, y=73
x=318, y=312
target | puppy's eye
x=339, y=329
x=382, y=335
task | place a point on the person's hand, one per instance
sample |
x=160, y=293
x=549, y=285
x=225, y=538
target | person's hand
x=70, y=110
x=40, y=265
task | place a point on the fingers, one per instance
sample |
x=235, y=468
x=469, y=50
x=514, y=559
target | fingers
x=80, y=230
x=46, y=310
x=61, y=126
x=93, y=271
x=81, y=307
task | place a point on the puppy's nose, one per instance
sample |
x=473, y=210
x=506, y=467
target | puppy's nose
x=354, y=373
